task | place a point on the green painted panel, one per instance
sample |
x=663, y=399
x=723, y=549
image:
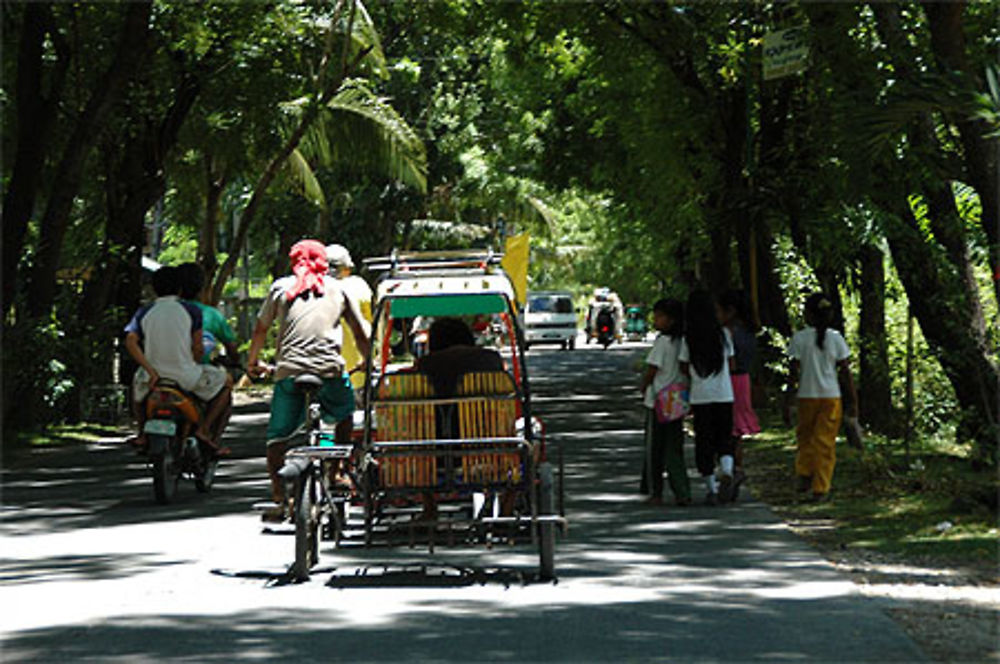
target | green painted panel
x=448, y=305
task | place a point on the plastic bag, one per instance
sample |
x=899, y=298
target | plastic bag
x=672, y=402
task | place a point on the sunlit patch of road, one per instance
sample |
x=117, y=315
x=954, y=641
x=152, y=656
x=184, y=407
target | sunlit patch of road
x=98, y=571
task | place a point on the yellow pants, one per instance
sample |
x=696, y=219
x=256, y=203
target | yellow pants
x=819, y=422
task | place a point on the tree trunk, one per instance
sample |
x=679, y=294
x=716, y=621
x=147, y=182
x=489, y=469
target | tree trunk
x=129, y=194
x=208, y=235
x=279, y=266
x=981, y=162
x=133, y=185
x=936, y=269
x=950, y=323
x=875, y=382
x=721, y=260
x=35, y=115
x=132, y=48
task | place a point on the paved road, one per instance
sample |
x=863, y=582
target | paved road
x=92, y=569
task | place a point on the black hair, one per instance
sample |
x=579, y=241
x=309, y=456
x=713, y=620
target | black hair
x=819, y=310
x=192, y=277
x=737, y=301
x=447, y=332
x=704, y=335
x=166, y=281
x=674, y=309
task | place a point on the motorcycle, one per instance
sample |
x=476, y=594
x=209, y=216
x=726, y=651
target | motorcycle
x=605, y=328
x=172, y=451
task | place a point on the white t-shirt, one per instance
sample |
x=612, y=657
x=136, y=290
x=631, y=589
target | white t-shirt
x=165, y=327
x=663, y=356
x=716, y=388
x=818, y=366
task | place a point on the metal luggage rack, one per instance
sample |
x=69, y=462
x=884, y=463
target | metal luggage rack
x=435, y=263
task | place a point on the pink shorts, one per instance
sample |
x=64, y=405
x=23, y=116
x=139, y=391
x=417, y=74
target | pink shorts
x=744, y=419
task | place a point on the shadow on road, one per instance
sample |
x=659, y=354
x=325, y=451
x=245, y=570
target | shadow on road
x=107, y=484
x=635, y=583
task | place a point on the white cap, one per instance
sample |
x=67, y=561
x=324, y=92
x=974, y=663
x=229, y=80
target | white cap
x=337, y=255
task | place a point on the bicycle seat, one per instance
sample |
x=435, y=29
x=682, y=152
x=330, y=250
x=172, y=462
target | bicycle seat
x=308, y=382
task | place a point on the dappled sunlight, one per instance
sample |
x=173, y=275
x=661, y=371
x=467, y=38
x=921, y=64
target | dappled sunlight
x=634, y=580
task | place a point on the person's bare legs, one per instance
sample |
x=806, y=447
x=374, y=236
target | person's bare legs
x=342, y=434
x=218, y=411
x=139, y=412
x=275, y=461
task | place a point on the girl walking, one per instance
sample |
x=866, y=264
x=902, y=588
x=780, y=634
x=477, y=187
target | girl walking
x=706, y=356
x=820, y=356
x=735, y=317
x=664, y=440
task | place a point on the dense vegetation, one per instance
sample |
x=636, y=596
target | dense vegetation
x=639, y=143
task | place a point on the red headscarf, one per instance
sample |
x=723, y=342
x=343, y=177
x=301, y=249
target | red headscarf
x=309, y=267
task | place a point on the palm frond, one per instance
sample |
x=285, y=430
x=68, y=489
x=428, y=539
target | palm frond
x=364, y=39
x=300, y=174
x=360, y=130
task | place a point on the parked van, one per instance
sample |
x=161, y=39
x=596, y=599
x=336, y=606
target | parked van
x=549, y=318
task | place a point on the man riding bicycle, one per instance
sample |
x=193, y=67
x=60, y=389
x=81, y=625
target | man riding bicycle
x=309, y=306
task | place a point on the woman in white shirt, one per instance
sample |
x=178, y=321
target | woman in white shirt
x=707, y=357
x=820, y=355
x=664, y=440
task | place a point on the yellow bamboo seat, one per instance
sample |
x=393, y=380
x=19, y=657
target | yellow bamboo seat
x=406, y=422
x=493, y=416
x=486, y=407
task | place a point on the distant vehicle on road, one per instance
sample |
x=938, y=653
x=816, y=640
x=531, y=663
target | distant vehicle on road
x=549, y=318
x=606, y=306
x=635, y=322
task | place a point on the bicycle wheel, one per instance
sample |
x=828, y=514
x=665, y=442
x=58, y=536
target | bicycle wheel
x=306, y=525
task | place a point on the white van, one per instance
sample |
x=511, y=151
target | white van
x=549, y=318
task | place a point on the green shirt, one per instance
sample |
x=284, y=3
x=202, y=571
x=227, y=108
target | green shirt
x=215, y=329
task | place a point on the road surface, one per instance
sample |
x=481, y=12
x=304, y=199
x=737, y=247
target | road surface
x=92, y=569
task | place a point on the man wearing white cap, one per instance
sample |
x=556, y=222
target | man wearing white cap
x=358, y=290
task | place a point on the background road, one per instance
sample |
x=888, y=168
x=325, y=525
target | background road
x=92, y=569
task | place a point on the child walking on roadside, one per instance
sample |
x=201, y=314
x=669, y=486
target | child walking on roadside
x=735, y=317
x=706, y=356
x=820, y=355
x=664, y=440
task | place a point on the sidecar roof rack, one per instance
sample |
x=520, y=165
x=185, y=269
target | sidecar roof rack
x=428, y=263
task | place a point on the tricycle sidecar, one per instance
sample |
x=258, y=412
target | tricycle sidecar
x=466, y=467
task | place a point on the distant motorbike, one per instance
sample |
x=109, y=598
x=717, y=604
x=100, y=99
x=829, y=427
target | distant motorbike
x=172, y=451
x=605, y=328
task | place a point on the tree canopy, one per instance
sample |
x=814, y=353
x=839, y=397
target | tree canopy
x=639, y=143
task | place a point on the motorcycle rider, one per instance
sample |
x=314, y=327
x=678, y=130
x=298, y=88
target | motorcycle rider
x=604, y=300
x=309, y=306
x=164, y=337
x=215, y=328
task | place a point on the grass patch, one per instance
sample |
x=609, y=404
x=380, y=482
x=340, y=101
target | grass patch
x=937, y=509
x=69, y=434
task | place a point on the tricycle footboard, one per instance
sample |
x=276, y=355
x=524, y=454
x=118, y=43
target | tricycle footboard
x=453, y=465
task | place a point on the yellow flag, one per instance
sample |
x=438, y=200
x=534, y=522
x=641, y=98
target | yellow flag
x=515, y=264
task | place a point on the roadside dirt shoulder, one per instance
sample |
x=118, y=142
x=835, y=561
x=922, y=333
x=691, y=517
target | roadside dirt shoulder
x=953, y=613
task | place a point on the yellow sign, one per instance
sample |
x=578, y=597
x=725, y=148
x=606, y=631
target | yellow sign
x=515, y=264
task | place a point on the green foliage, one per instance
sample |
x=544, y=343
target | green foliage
x=180, y=245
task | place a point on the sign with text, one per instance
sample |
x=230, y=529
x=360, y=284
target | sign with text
x=785, y=52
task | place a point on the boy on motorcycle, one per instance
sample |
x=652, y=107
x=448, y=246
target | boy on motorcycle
x=215, y=328
x=164, y=338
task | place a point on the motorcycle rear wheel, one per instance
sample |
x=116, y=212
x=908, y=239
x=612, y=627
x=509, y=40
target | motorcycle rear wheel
x=164, y=476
